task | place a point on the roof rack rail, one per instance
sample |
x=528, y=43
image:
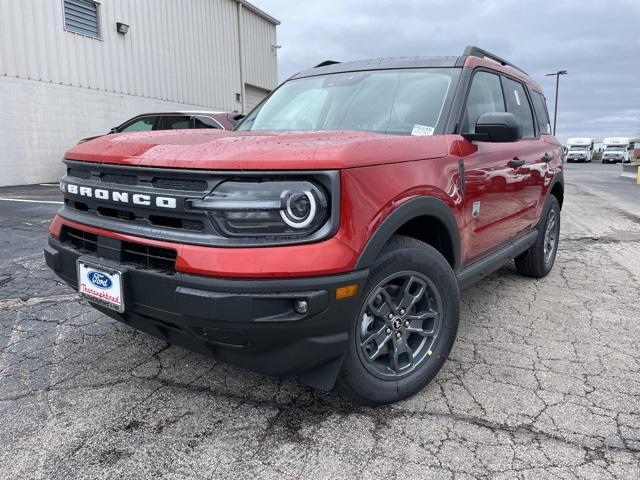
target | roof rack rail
x=472, y=51
x=325, y=63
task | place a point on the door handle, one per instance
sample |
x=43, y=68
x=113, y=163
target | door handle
x=546, y=158
x=516, y=162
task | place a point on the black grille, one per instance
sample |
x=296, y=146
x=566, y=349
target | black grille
x=79, y=240
x=146, y=256
x=138, y=254
x=164, y=183
x=79, y=173
x=118, y=179
x=180, y=184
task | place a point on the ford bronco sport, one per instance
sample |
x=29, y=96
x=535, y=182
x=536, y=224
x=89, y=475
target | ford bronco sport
x=328, y=236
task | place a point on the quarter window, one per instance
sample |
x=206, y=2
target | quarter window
x=205, y=122
x=81, y=16
x=540, y=106
x=485, y=96
x=518, y=104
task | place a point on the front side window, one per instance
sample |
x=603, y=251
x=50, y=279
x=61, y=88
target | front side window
x=401, y=102
x=143, y=124
x=485, y=96
x=518, y=104
x=82, y=16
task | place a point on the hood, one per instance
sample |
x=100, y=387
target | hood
x=228, y=150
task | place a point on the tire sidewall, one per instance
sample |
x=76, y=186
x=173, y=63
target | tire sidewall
x=428, y=261
x=550, y=205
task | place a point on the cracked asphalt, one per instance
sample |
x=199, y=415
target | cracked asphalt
x=543, y=381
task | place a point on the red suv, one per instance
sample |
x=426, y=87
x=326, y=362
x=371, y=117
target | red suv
x=328, y=236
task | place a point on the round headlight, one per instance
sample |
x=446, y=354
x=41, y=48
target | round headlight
x=267, y=208
x=300, y=209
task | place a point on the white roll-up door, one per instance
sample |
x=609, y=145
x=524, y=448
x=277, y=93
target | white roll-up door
x=253, y=96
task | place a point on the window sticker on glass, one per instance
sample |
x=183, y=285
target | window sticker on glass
x=517, y=97
x=421, y=130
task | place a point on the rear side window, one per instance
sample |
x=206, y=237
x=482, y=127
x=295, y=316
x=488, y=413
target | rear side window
x=485, y=96
x=143, y=124
x=518, y=104
x=540, y=106
x=173, y=122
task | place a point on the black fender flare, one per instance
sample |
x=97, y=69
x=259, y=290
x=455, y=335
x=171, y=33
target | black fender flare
x=558, y=177
x=416, y=207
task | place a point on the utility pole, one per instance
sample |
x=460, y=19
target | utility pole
x=555, y=108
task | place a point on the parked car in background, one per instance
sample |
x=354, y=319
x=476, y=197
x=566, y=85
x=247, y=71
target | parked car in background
x=579, y=149
x=618, y=149
x=175, y=121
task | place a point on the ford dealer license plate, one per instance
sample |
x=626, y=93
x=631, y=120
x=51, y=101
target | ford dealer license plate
x=101, y=285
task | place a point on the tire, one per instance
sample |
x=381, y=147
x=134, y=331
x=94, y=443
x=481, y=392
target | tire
x=419, y=270
x=538, y=261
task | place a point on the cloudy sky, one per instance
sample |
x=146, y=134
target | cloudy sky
x=598, y=42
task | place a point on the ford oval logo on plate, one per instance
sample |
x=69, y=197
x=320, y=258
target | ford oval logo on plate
x=100, y=280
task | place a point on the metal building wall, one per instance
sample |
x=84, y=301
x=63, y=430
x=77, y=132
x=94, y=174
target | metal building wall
x=184, y=51
x=259, y=43
x=57, y=87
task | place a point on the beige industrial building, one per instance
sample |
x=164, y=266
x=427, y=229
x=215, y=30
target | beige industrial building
x=75, y=68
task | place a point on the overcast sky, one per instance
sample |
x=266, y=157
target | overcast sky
x=598, y=42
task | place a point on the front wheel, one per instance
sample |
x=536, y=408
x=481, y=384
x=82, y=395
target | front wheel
x=406, y=325
x=538, y=261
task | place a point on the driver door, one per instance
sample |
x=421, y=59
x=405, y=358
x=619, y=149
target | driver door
x=494, y=180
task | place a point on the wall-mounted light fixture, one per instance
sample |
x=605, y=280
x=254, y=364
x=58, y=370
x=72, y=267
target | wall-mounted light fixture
x=275, y=48
x=122, y=28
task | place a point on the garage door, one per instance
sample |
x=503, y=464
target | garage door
x=253, y=96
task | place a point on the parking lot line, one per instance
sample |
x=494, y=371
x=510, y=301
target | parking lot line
x=30, y=201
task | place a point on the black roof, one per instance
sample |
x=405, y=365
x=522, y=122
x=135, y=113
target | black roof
x=380, y=64
x=331, y=66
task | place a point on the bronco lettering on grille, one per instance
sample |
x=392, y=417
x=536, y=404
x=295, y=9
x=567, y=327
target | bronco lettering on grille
x=118, y=197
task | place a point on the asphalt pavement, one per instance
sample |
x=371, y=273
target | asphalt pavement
x=543, y=381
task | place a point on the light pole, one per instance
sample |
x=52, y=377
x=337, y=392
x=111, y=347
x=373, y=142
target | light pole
x=555, y=108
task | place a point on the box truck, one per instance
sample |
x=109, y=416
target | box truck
x=579, y=149
x=619, y=149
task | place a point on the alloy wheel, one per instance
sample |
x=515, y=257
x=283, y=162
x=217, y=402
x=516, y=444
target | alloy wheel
x=550, y=236
x=399, y=324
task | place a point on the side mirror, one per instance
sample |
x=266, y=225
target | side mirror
x=114, y=130
x=496, y=127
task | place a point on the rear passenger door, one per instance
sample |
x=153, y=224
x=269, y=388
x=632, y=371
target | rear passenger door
x=493, y=194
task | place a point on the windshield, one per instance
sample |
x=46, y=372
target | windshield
x=405, y=102
x=616, y=148
x=578, y=147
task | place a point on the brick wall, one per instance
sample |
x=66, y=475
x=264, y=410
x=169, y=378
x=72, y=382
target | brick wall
x=39, y=121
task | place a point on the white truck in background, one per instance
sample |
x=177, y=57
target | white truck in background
x=618, y=149
x=579, y=149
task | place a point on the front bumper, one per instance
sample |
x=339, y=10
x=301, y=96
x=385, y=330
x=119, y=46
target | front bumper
x=249, y=323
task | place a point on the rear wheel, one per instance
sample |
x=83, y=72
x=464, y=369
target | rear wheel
x=538, y=261
x=406, y=326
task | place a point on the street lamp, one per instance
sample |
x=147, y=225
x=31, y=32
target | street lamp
x=555, y=109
